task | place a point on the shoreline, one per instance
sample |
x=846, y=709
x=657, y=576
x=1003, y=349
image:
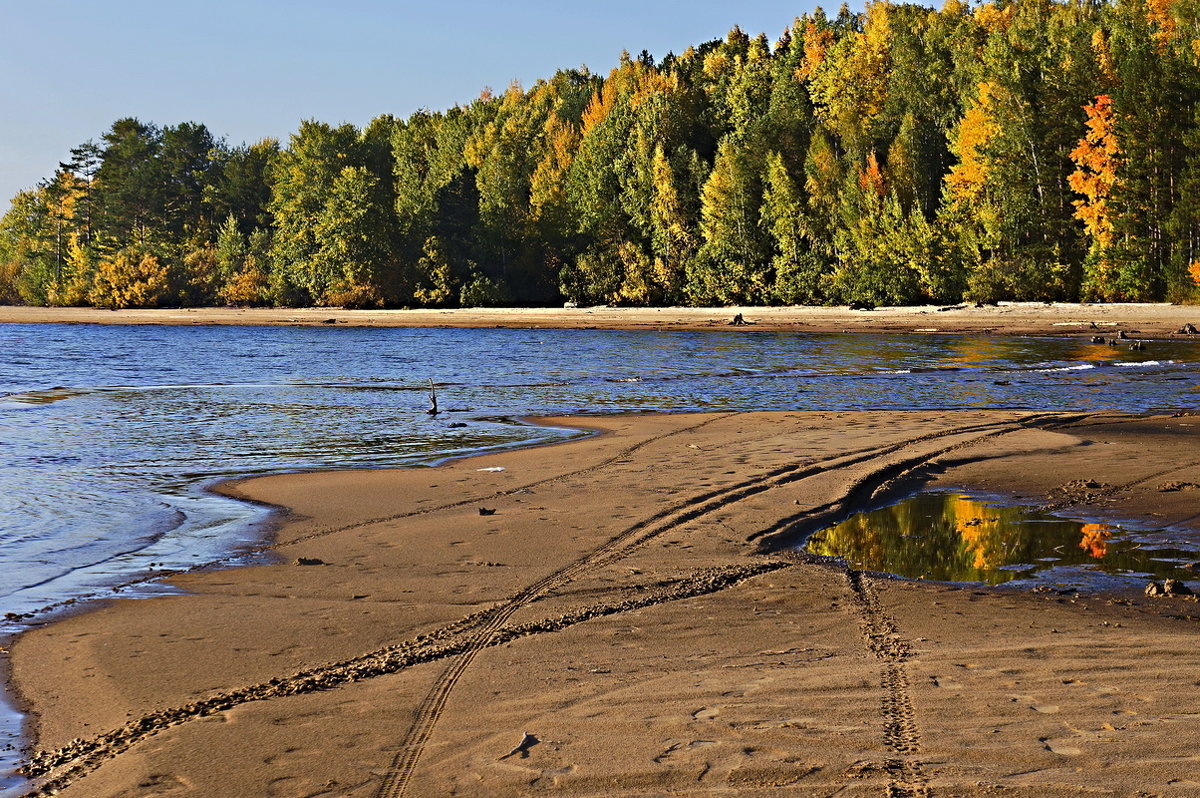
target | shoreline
x=266, y=526
x=712, y=476
x=245, y=555
x=1140, y=321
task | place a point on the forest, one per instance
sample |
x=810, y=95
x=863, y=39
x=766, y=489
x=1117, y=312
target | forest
x=1029, y=150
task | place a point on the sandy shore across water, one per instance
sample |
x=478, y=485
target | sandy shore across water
x=627, y=621
x=1144, y=321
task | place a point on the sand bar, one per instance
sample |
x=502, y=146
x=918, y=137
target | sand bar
x=624, y=623
x=1146, y=321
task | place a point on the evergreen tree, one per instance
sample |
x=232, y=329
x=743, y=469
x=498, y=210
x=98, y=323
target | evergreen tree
x=734, y=261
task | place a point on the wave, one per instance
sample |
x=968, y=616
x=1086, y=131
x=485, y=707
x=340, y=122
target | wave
x=1076, y=367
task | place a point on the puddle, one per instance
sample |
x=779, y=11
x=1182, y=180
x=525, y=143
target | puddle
x=952, y=537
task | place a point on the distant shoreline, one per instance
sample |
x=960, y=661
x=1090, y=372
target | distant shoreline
x=1150, y=321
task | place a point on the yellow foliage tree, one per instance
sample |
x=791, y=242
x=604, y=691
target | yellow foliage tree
x=1162, y=22
x=435, y=282
x=1097, y=159
x=976, y=128
x=9, y=270
x=601, y=105
x=993, y=19
x=1104, y=57
x=638, y=286
x=132, y=278
x=250, y=286
x=674, y=240
x=547, y=187
x=852, y=106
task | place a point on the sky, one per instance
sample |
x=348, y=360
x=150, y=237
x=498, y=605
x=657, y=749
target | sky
x=252, y=69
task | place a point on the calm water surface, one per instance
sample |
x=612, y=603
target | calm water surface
x=954, y=537
x=108, y=435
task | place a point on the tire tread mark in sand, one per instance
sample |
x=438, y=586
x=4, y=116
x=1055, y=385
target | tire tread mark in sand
x=405, y=761
x=88, y=755
x=869, y=487
x=906, y=777
x=900, y=731
x=720, y=495
x=484, y=623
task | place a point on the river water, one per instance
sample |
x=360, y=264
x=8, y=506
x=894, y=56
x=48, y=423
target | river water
x=110, y=434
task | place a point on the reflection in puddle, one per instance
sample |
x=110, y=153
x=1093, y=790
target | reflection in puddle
x=950, y=537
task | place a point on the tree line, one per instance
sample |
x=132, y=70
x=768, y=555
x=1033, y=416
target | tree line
x=1033, y=150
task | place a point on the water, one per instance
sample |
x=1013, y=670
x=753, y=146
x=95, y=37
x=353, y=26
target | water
x=108, y=435
x=954, y=537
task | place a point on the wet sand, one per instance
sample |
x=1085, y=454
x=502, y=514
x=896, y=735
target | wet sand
x=628, y=621
x=1145, y=321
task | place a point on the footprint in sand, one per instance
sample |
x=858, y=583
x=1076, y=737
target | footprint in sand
x=1061, y=747
x=680, y=748
x=705, y=713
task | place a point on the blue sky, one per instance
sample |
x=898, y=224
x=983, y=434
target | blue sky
x=252, y=69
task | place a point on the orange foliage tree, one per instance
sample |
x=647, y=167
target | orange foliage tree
x=1162, y=20
x=870, y=178
x=816, y=42
x=1096, y=159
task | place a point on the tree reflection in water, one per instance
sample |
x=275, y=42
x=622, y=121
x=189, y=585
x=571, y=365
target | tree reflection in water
x=952, y=537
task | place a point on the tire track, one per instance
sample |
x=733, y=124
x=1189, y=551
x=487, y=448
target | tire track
x=465, y=638
x=80, y=757
x=901, y=735
x=871, y=487
x=404, y=764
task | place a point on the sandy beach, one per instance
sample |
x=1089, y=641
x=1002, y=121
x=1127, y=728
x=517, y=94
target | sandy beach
x=629, y=621
x=1142, y=321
